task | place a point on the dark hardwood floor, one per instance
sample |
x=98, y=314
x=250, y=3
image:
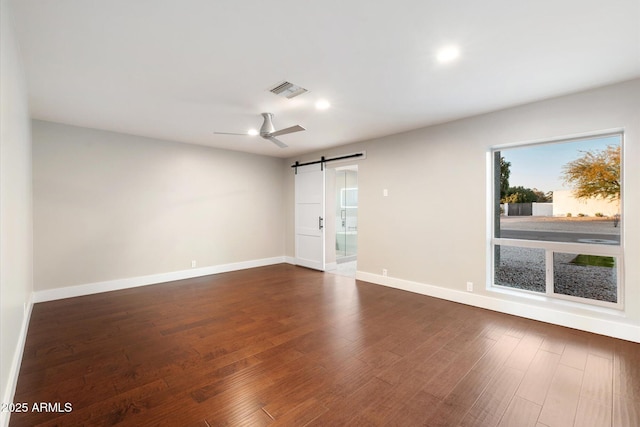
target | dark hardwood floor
x=287, y=346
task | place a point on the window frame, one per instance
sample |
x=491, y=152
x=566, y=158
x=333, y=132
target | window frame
x=551, y=247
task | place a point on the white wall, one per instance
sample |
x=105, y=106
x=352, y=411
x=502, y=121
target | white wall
x=432, y=250
x=16, y=253
x=542, y=209
x=565, y=203
x=109, y=206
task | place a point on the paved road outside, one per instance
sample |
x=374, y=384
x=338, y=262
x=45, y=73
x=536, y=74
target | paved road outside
x=561, y=229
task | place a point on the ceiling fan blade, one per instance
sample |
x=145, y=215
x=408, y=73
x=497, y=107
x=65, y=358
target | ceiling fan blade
x=276, y=141
x=296, y=128
x=230, y=133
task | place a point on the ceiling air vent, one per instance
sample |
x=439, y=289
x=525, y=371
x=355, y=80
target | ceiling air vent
x=288, y=90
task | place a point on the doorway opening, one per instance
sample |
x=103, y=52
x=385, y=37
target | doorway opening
x=344, y=195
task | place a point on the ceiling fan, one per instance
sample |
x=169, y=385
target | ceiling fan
x=267, y=131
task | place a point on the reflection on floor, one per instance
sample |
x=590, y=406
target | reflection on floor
x=346, y=269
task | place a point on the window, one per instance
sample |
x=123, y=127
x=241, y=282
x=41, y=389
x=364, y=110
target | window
x=557, y=219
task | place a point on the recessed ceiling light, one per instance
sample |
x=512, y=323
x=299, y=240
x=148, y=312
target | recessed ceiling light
x=448, y=54
x=322, y=104
x=252, y=132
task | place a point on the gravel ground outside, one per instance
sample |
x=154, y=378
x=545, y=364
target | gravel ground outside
x=521, y=268
x=586, y=281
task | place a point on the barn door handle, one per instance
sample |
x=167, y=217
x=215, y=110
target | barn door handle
x=320, y=224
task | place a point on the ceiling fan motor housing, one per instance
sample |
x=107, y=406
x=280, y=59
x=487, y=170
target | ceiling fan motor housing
x=267, y=127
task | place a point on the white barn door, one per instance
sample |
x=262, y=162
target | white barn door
x=309, y=216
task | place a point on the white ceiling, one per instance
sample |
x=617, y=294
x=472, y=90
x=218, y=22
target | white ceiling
x=182, y=69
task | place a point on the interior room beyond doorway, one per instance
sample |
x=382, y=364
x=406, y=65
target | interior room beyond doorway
x=342, y=241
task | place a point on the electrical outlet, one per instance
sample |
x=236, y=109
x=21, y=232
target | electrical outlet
x=193, y=263
x=384, y=272
x=469, y=286
x=385, y=193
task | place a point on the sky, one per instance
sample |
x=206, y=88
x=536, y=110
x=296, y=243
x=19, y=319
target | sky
x=540, y=166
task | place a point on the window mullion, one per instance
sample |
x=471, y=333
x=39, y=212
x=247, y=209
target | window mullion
x=549, y=271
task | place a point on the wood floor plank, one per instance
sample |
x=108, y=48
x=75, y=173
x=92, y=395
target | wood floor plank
x=575, y=354
x=293, y=390
x=537, y=379
x=593, y=413
x=385, y=407
x=425, y=364
x=416, y=411
x=257, y=419
x=491, y=405
x=343, y=411
x=524, y=352
x=302, y=414
x=626, y=412
x=348, y=377
x=596, y=394
x=284, y=345
x=597, y=383
x=601, y=346
x=462, y=363
x=462, y=397
x=520, y=413
x=554, y=342
x=560, y=405
x=626, y=375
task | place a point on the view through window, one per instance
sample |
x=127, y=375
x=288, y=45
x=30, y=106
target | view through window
x=557, y=210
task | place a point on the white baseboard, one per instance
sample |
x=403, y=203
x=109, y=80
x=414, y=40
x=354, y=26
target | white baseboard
x=12, y=378
x=608, y=327
x=133, y=282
